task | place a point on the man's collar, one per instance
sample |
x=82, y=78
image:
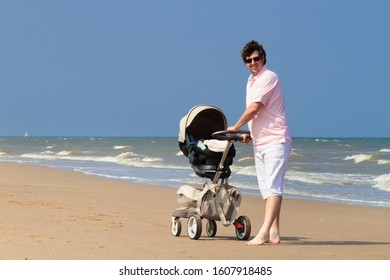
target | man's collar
x=262, y=70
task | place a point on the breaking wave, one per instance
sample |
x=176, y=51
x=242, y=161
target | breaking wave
x=120, y=147
x=359, y=158
x=383, y=182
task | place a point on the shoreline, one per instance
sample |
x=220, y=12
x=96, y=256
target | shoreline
x=55, y=214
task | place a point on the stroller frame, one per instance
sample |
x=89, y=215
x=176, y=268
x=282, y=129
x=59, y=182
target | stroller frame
x=215, y=201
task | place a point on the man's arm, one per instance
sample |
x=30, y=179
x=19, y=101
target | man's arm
x=249, y=113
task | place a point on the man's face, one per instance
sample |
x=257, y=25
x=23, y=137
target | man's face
x=254, y=63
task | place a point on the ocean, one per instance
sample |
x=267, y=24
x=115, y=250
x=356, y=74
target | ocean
x=338, y=170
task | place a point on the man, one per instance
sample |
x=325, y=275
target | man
x=266, y=118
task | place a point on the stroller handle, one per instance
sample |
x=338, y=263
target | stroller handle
x=229, y=135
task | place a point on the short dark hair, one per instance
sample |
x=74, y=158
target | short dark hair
x=252, y=46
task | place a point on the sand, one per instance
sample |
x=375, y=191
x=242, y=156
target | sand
x=52, y=214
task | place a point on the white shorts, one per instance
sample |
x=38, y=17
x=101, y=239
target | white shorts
x=271, y=165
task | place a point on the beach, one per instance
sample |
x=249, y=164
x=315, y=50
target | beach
x=54, y=214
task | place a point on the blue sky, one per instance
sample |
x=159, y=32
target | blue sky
x=134, y=68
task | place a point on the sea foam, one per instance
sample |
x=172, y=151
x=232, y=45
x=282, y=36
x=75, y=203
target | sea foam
x=65, y=153
x=383, y=182
x=383, y=161
x=306, y=177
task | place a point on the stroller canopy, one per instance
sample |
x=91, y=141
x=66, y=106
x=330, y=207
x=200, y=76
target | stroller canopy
x=201, y=121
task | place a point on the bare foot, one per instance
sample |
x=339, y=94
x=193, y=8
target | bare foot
x=274, y=238
x=259, y=239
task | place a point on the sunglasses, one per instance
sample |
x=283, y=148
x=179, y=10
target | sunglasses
x=249, y=60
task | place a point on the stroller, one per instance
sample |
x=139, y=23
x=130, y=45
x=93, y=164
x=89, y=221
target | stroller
x=203, y=138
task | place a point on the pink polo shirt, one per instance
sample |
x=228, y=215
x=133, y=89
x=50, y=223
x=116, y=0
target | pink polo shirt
x=270, y=125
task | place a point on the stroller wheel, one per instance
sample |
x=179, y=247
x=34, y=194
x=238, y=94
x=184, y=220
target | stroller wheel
x=211, y=228
x=194, y=227
x=243, y=227
x=176, y=227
